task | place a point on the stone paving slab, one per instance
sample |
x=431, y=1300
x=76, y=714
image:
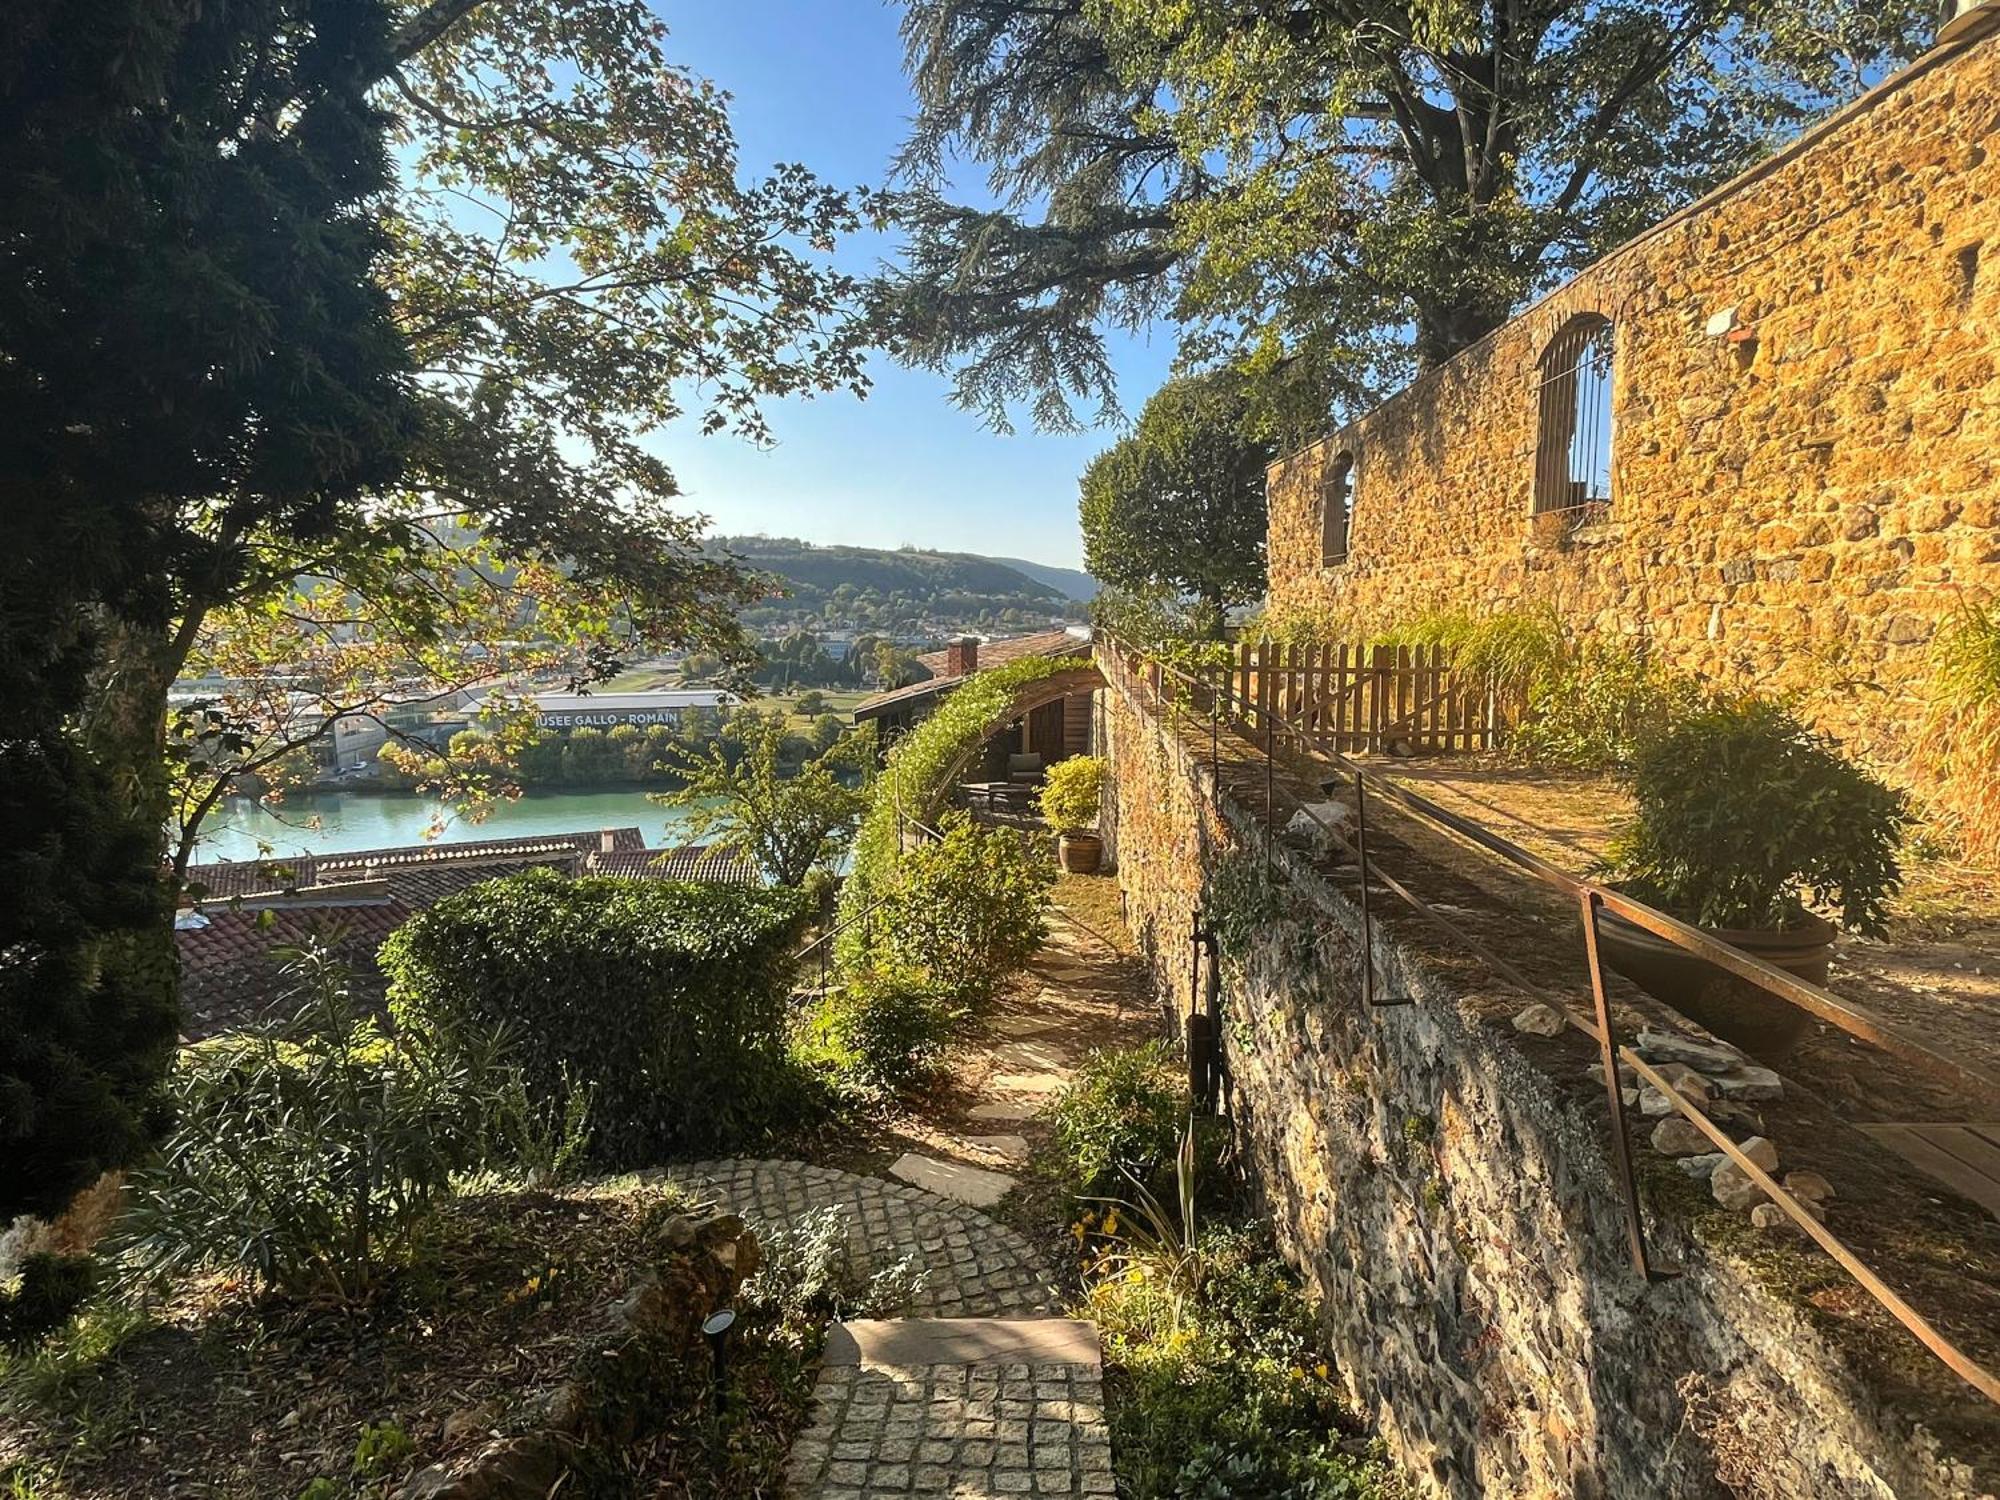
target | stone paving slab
x=902, y=1342
x=970, y=1432
x=1005, y=1109
x=974, y=1267
x=950, y=1179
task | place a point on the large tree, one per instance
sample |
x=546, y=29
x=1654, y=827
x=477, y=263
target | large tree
x=274, y=405
x=191, y=348
x=1177, y=506
x=1324, y=191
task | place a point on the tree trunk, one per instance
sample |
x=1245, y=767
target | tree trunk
x=124, y=731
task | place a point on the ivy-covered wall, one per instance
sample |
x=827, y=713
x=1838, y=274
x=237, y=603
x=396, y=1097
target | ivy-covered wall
x=1449, y=1197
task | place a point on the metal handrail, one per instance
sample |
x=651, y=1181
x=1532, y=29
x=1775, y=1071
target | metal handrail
x=1592, y=896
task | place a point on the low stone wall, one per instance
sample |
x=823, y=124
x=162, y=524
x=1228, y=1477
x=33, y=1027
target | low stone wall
x=1451, y=1201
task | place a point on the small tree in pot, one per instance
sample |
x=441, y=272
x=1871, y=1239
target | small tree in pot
x=1747, y=820
x=1069, y=802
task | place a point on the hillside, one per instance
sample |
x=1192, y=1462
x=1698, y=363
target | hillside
x=1072, y=583
x=906, y=591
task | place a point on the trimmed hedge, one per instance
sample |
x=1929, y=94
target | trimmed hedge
x=669, y=1001
x=917, y=780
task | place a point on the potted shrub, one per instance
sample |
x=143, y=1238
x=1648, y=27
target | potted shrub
x=1746, y=820
x=1069, y=802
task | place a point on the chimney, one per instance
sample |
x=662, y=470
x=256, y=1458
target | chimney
x=961, y=657
x=1966, y=18
x=607, y=841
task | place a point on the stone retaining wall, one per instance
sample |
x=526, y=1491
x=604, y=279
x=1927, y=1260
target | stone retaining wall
x=1806, y=427
x=1452, y=1204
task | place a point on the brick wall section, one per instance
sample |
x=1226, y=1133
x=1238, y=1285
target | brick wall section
x=1794, y=508
x=1451, y=1203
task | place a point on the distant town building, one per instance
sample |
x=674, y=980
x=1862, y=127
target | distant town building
x=1050, y=733
x=608, y=710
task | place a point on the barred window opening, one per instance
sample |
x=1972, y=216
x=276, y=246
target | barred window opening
x=1573, y=445
x=1336, y=510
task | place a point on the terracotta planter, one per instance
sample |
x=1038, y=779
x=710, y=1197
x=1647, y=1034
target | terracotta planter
x=1733, y=1008
x=1080, y=853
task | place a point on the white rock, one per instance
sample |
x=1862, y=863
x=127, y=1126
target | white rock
x=1809, y=1186
x=1655, y=1104
x=1541, y=1020
x=1701, y=1168
x=1678, y=1137
x=1748, y=1083
x=1660, y=1046
x=1770, y=1216
x=1732, y=1188
x=1304, y=827
x=1761, y=1151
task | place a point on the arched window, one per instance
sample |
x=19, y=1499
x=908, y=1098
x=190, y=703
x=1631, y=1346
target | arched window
x=1336, y=510
x=1573, y=441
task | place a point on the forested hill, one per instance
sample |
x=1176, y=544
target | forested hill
x=905, y=589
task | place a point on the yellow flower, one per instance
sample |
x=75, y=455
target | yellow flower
x=1297, y=1373
x=1111, y=1222
x=1078, y=1230
x=1321, y=1370
x=1135, y=1275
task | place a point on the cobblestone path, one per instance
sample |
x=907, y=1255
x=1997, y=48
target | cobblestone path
x=975, y=1268
x=980, y=1392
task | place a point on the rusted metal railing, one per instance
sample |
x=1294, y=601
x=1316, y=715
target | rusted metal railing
x=1214, y=692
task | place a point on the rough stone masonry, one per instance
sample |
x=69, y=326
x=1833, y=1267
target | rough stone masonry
x=1805, y=448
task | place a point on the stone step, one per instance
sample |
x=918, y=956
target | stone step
x=954, y=1180
x=904, y=1343
x=972, y=1408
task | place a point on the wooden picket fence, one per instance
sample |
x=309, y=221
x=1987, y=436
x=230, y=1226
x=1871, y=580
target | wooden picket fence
x=1366, y=699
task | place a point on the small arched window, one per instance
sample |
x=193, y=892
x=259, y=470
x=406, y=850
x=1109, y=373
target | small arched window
x=1336, y=510
x=1573, y=438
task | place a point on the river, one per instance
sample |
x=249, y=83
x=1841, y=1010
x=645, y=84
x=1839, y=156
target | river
x=336, y=822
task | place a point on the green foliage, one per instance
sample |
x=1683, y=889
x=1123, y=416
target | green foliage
x=1744, y=815
x=1519, y=651
x=51, y=1289
x=87, y=988
x=967, y=909
x=1323, y=196
x=805, y=1274
x=312, y=1153
x=1221, y=1391
x=1598, y=708
x=381, y=1450
x=667, y=1001
x=1179, y=504
x=790, y=822
x=1071, y=792
x=811, y=703
x=916, y=781
x=879, y=1030
x=1956, y=754
x=1124, y=1112
x=880, y=592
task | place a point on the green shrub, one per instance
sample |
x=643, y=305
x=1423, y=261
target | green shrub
x=1956, y=754
x=1126, y=1109
x=51, y=1289
x=967, y=910
x=667, y=1001
x=806, y=1277
x=1070, y=795
x=314, y=1152
x=1744, y=815
x=879, y=1030
x=917, y=779
x=1600, y=706
x=1222, y=1393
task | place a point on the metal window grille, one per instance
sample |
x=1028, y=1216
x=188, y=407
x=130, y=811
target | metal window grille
x=1337, y=510
x=1573, y=447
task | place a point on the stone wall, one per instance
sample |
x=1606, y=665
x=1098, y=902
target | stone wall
x=1806, y=409
x=1450, y=1200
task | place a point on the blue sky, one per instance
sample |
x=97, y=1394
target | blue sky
x=820, y=81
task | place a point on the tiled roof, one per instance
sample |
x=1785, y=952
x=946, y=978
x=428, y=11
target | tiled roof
x=231, y=974
x=991, y=654
x=698, y=862
x=250, y=876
